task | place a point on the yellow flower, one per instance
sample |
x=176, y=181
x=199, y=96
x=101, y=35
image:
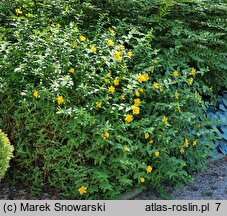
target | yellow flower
x=111, y=31
x=149, y=169
x=116, y=81
x=49, y=20
x=193, y=71
x=155, y=85
x=175, y=73
x=111, y=89
x=71, y=70
x=18, y=11
x=117, y=56
x=146, y=76
x=141, y=90
x=157, y=153
x=129, y=54
x=200, y=100
x=108, y=75
x=93, y=48
x=182, y=151
x=126, y=148
x=110, y=43
x=106, y=80
x=177, y=95
x=98, y=104
x=35, y=94
x=60, y=100
x=196, y=94
x=135, y=110
x=151, y=141
x=122, y=97
x=142, y=180
x=186, y=143
x=58, y=25
x=146, y=135
x=82, y=190
x=105, y=136
x=178, y=108
x=164, y=119
x=128, y=118
x=82, y=38
x=194, y=143
x=137, y=102
x=74, y=43
x=137, y=94
x=191, y=81
x=140, y=78
x=121, y=47
x=155, y=61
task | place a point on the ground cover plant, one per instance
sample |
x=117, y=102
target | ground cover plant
x=96, y=113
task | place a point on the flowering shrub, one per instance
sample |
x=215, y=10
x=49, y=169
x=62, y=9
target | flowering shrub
x=199, y=42
x=98, y=116
x=6, y=151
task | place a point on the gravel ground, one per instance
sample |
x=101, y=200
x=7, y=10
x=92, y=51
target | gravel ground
x=211, y=185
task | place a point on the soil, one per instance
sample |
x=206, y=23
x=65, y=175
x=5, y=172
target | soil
x=211, y=185
x=18, y=191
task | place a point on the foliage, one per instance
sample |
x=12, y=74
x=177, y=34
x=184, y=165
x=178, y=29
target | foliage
x=6, y=153
x=92, y=108
x=199, y=41
x=98, y=114
x=188, y=32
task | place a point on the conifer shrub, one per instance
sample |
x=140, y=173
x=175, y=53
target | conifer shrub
x=6, y=153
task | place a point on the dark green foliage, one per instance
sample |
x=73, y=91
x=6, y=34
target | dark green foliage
x=187, y=32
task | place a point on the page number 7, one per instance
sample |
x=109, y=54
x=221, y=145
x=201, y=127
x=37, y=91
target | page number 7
x=218, y=205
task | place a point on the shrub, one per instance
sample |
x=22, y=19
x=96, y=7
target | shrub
x=6, y=153
x=97, y=116
x=189, y=33
x=198, y=42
